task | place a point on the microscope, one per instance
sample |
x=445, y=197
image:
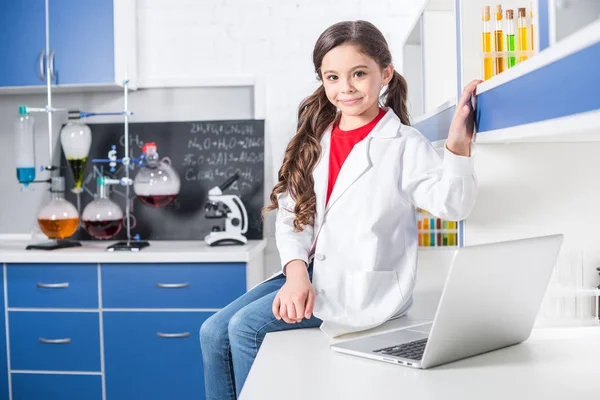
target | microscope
x=230, y=208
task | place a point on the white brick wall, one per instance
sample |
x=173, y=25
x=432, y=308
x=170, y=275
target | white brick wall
x=271, y=39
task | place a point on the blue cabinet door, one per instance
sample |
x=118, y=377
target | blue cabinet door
x=22, y=39
x=56, y=387
x=3, y=355
x=153, y=355
x=52, y=285
x=204, y=285
x=54, y=341
x=82, y=38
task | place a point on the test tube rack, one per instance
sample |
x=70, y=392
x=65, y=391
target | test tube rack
x=436, y=232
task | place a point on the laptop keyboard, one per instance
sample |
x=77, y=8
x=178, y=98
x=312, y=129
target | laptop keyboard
x=412, y=350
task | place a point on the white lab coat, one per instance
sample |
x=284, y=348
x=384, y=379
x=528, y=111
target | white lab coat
x=365, y=257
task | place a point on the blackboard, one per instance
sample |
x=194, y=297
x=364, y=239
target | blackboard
x=204, y=153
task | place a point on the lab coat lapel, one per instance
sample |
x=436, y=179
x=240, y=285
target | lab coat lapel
x=355, y=165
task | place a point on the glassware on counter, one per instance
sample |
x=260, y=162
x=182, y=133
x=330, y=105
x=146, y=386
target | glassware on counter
x=59, y=219
x=76, y=139
x=157, y=183
x=24, y=131
x=102, y=218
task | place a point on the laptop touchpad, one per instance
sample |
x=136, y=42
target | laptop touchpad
x=394, y=338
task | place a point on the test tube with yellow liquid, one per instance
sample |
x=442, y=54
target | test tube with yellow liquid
x=523, y=35
x=531, y=23
x=486, y=41
x=499, y=40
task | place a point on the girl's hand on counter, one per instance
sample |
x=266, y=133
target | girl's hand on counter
x=296, y=298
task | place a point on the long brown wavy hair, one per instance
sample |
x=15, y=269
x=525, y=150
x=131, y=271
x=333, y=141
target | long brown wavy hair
x=316, y=113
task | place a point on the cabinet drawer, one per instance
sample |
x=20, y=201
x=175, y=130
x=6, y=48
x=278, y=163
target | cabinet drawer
x=52, y=285
x=54, y=341
x=172, y=285
x=153, y=355
x=56, y=387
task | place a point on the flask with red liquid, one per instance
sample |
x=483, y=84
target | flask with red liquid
x=157, y=183
x=102, y=218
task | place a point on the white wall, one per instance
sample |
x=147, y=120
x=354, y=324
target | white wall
x=413, y=72
x=439, y=47
x=534, y=189
x=572, y=15
x=185, y=41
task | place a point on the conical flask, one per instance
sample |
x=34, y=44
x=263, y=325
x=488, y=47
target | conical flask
x=102, y=218
x=76, y=139
x=59, y=219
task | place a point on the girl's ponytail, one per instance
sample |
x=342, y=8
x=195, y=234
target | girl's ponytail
x=315, y=114
x=396, y=95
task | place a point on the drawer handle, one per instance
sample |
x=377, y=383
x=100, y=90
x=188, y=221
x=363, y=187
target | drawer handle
x=55, y=341
x=53, y=285
x=172, y=285
x=172, y=335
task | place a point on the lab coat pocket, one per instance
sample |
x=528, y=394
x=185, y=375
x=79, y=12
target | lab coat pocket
x=372, y=297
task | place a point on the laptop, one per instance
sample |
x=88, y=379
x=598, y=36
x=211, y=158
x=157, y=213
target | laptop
x=490, y=300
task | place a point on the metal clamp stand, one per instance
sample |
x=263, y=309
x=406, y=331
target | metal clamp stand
x=127, y=245
x=135, y=245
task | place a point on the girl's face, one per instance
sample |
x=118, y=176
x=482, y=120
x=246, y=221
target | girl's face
x=353, y=80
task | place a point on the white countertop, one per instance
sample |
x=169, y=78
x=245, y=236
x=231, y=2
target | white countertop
x=159, y=251
x=554, y=363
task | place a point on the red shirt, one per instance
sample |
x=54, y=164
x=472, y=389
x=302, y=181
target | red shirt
x=342, y=143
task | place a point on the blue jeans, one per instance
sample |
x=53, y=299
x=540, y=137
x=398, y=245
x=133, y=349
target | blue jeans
x=230, y=339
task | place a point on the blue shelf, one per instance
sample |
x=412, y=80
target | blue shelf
x=567, y=86
x=435, y=126
x=553, y=96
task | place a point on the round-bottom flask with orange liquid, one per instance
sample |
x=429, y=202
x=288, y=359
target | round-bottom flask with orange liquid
x=59, y=219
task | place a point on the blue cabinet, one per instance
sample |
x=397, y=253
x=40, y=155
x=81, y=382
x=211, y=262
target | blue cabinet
x=3, y=355
x=56, y=387
x=23, y=33
x=82, y=39
x=92, y=43
x=114, y=331
x=153, y=355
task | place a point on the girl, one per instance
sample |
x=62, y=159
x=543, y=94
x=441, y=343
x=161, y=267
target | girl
x=347, y=191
